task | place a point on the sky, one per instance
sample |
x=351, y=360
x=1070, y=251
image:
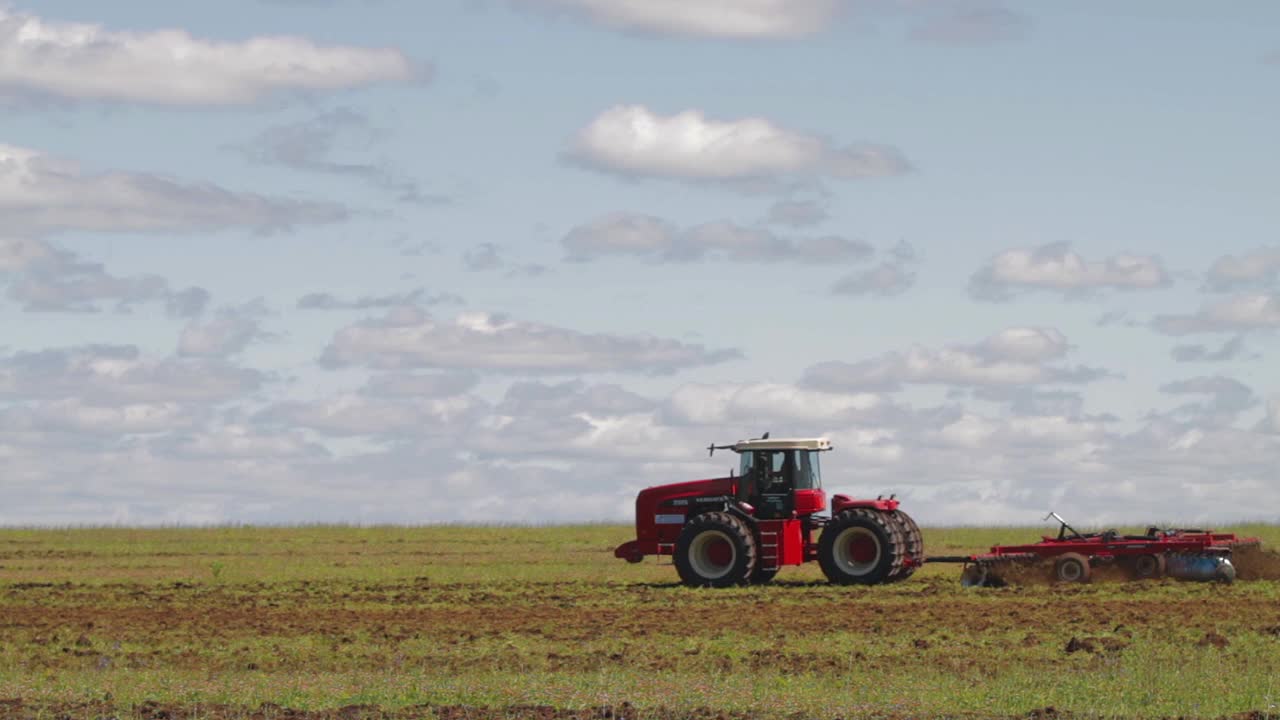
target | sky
x=511, y=261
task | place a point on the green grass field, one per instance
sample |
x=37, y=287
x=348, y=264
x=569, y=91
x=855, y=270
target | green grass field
x=216, y=622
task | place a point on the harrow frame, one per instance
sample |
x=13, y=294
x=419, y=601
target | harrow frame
x=1144, y=556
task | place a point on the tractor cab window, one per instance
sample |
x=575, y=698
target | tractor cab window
x=778, y=475
x=808, y=470
x=782, y=470
x=767, y=467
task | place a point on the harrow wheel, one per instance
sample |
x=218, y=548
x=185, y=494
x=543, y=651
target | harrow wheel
x=974, y=575
x=1072, y=568
x=1147, y=567
x=715, y=549
x=860, y=546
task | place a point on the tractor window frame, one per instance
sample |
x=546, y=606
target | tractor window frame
x=806, y=467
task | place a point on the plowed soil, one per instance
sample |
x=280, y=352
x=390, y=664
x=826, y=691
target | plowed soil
x=389, y=635
x=16, y=710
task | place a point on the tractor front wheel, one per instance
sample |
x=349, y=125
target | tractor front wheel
x=1072, y=568
x=715, y=549
x=860, y=546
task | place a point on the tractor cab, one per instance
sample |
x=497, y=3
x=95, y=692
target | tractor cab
x=781, y=478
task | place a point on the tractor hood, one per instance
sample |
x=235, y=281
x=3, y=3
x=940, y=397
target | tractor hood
x=667, y=505
x=650, y=497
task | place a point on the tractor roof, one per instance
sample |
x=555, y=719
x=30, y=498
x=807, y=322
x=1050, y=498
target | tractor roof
x=782, y=444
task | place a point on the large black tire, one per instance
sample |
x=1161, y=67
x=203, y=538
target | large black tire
x=715, y=549
x=1147, y=567
x=1071, y=568
x=860, y=546
x=913, y=544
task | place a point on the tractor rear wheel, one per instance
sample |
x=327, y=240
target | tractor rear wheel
x=1072, y=568
x=715, y=549
x=913, y=544
x=860, y=546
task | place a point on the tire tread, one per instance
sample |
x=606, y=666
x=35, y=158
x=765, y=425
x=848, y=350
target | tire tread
x=726, y=523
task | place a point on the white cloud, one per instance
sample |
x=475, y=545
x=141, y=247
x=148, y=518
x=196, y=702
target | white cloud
x=797, y=213
x=75, y=416
x=1013, y=357
x=1029, y=401
x=113, y=374
x=1227, y=398
x=1231, y=350
x=43, y=278
x=879, y=446
x=969, y=430
x=329, y=301
x=226, y=333
x=1272, y=421
x=410, y=338
x=481, y=257
x=316, y=145
x=1028, y=344
x=20, y=254
x=886, y=279
x=644, y=236
x=1241, y=313
x=1252, y=270
x=572, y=398
x=41, y=193
x=187, y=303
x=357, y=414
x=622, y=234
x=1055, y=430
x=439, y=452
x=1056, y=268
x=714, y=18
x=235, y=442
x=170, y=67
x=486, y=256
x=401, y=385
x=633, y=141
x=763, y=404
x=921, y=365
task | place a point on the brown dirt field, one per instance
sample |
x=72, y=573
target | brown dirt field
x=1255, y=563
x=94, y=648
x=57, y=616
x=17, y=710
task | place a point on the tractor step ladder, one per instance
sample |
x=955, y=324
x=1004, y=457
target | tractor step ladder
x=769, y=559
x=667, y=550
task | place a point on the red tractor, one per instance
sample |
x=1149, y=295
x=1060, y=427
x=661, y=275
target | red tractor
x=745, y=527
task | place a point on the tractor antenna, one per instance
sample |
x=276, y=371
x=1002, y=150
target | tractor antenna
x=712, y=448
